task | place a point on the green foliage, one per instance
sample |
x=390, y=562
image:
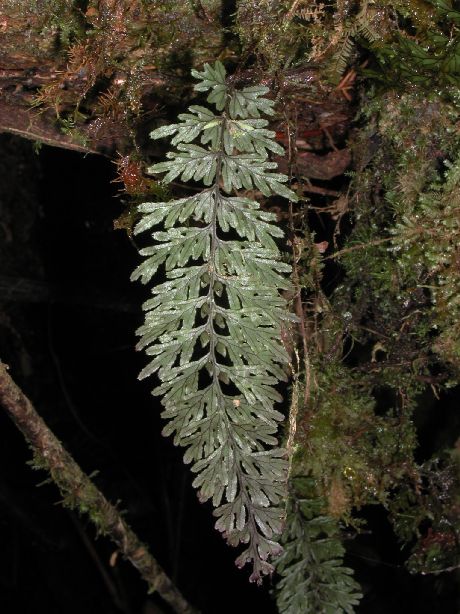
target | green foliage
x=428, y=235
x=406, y=60
x=287, y=32
x=427, y=517
x=213, y=327
x=354, y=456
x=314, y=580
x=419, y=215
x=362, y=26
x=386, y=337
x=408, y=41
x=399, y=291
x=58, y=22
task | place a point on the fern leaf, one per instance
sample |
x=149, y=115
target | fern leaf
x=313, y=578
x=250, y=102
x=344, y=52
x=365, y=27
x=212, y=329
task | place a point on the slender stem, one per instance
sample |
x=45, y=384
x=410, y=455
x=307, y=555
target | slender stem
x=79, y=491
x=298, y=306
x=408, y=234
x=353, y=248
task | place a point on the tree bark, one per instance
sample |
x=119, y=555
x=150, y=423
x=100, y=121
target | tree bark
x=88, y=79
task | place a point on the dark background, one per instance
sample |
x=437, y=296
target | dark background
x=68, y=315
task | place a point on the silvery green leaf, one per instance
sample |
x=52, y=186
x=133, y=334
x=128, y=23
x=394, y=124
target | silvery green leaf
x=313, y=577
x=210, y=76
x=163, y=131
x=250, y=102
x=215, y=317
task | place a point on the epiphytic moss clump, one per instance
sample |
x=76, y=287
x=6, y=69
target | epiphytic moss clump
x=388, y=331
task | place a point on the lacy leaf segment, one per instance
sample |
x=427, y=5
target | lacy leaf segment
x=212, y=329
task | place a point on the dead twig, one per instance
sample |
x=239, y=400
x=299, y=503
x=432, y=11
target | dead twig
x=359, y=246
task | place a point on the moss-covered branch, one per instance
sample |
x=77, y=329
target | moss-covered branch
x=80, y=493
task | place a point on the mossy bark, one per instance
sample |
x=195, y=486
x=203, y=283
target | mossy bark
x=81, y=494
x=88, y=76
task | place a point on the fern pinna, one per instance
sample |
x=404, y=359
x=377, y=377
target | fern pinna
x=213, y=327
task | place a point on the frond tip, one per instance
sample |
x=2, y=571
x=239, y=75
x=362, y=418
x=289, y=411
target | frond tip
x=212, y=328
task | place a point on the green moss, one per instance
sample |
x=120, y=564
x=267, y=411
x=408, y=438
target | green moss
x=355, y=456
x=388, y=331
x=43, y=28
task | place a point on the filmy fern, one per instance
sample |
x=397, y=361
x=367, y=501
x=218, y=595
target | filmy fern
x=360, y=26
x=313, y=578
x=213, y=327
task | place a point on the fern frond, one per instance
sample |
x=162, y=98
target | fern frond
x=344, y=52
x=364, y=27
x=359, y=26
x=313, y=578
x=212, y=329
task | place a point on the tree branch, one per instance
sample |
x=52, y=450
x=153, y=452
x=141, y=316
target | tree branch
x=38, y=127
x=80, y=493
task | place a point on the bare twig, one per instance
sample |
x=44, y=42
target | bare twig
x=291, y=12
x=440, y=571
x=316, y=189
x=80, y=493
x=359, y=246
